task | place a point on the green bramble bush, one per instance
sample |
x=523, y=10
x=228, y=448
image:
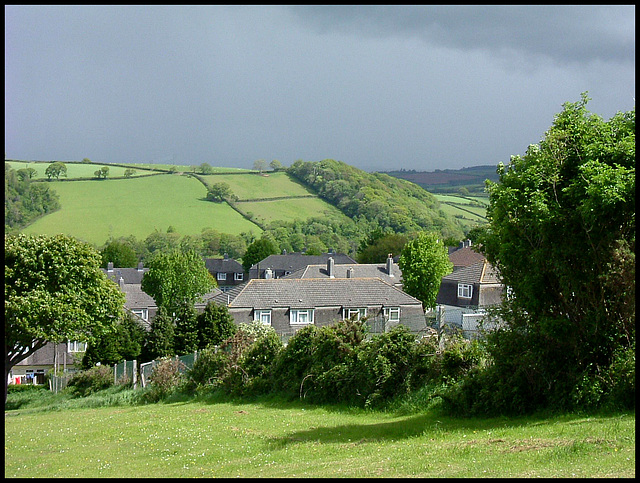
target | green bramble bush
x=90, y=381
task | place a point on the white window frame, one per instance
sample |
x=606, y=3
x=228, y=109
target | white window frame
x=392, y=314
x=465, y=290
x=142, y=313
x=75, y=346
x=347, y=313
x=238, y=276
x=301, y=316
x=221, y=276
x=262, y=315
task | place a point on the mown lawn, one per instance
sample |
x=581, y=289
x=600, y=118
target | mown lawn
x=230, y=439
x=95, y=210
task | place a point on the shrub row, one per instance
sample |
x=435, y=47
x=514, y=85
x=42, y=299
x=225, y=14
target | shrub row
x=331, y=364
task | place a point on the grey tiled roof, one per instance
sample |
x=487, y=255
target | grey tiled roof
x=295, y=261
x=224, y=265
x=130, y=275
x=135, y=297
x=479, y=272
x=320, y=292
x=360, y=270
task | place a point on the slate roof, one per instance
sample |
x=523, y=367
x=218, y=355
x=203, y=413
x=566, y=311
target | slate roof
x=319, y=292
x=465, y=257
x=130, y=275
x=295, y=261
x=135, y=297
x=223, y=265
x=360, y=270
x=480, y=272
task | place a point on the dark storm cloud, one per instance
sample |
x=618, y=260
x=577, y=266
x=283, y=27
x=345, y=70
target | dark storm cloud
x=563, y=33
x=378, y=87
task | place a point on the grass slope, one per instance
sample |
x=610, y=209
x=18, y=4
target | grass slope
x=235, y=439
x=95, y=210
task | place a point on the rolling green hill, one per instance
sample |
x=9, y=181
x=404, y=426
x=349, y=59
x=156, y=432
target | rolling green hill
x=334, y=208
x=95, y=210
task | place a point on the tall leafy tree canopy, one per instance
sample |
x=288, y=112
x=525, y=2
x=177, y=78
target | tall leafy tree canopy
x=424, y=261
x=54, y=290
x=562, y=234
x=258, y=250
x=175, y=278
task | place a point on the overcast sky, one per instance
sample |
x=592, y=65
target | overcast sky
x=378, y=87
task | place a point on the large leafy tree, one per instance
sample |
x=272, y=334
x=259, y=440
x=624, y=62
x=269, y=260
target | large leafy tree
x=54, y=291
x=121, y=253
x=562, y=234
x=123, y=344
x=258, y=250
x=215, y=325
x=177, y=278
x=424, y=261
x=55, y=170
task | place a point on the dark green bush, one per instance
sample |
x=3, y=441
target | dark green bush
x=208, y=369
x=92, y=380
x=294, y=362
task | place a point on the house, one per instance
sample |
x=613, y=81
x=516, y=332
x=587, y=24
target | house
x=464, y=255
x=63, y=357
x=277, y=266
x=137, y=301
x=227, y=272
x=465, y=294
x=288, y=304
x=389, y=271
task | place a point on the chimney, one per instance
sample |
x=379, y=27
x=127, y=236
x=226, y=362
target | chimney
x=268, y=273
x=350, y=272
x=226, y=256
x=330, y=267
x=110, y=267
x=121, y=282
x=284, y=251
x=140, y=267
x=390, y=265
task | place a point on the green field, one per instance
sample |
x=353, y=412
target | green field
x=234, y=439
x=470, y=210
x=74, y=170
x=287, y=209
x=255, y=186
x=95, y=210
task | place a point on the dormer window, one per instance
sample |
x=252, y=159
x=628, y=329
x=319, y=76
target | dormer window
x=238, y=276
x=221, y=276
x=465, y=290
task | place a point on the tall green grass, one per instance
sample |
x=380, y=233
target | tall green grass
x=272, y=438
x=95, y=210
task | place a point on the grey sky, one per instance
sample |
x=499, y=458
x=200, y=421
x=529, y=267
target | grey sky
x=378, y=87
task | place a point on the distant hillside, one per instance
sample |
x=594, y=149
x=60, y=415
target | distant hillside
x=448, y=180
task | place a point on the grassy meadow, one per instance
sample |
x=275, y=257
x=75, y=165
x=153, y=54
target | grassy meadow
x=470, y=209
x=200, y=438
x=95, y=210
x=255, y=186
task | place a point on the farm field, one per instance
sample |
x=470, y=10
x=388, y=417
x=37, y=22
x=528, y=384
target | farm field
x=74, y=170
x=229, y=439
x=255, y=186
x=471, y=210
x=287, y=209
x=95, y=210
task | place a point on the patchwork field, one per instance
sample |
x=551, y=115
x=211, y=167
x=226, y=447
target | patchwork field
x=95, y=210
